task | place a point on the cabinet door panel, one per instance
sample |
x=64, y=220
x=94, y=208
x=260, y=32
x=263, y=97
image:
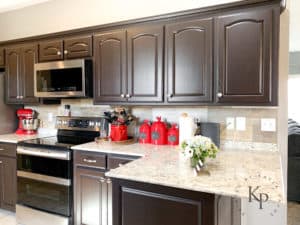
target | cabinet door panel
x=78, y=47
x=244, y=51
x=29, y=58
x=145, y=59
x=2, y=57
x=88, y=197
x=189, y=61
x=8, y=181
x=12, y=75
x=50, y=50
x=110, y=67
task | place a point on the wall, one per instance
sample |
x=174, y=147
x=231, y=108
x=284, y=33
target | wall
x=60, y=15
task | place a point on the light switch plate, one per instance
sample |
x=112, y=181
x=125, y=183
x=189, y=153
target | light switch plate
x=240, y=123
x=230, y=124
x=268, y=124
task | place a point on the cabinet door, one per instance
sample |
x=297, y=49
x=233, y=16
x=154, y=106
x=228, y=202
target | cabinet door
x=78, y=47
x=244, y=57
x=2, y=57
x=50, y=50
x=8, y=183
x=29, y=58
x=90, y=192
x=140, y=203
x=145, y=64
x=189, y=61
x=110, y=67
x=12, y=75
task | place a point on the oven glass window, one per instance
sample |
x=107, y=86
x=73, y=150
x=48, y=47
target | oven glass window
x=44, y=166
x=59, y=80
x=53, y=198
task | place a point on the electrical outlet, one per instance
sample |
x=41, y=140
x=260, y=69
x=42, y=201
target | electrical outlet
x=240, y=123
x=268, y=124
x=230, y=124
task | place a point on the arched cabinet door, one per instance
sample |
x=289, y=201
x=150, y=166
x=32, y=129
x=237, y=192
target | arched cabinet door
x=189, y=61
x=145, y=64
x=110, y=67
x=246, y=53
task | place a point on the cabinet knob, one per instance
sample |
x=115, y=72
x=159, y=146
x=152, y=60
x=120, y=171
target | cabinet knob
x=0, y=162
x=58, y=53
x=122, y=96
x=108, y=180
x=102, y=180
x=128, y=95
x=170, y=95
x=17, y=97
x=219, y=95
x=21, y=97
x=66, y=52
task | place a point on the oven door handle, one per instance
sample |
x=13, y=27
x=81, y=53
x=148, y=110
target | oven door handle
x=44, y=178
x=63, y=155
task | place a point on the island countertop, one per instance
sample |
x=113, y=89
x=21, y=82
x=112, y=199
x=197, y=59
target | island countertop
x=230, y=174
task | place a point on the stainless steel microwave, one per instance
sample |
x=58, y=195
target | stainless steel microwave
x=63, y=79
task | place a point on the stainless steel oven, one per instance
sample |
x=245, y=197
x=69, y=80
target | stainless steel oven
x=44, y=184
x=69, y=78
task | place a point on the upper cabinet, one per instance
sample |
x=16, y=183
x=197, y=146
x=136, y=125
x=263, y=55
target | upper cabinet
x=69, y=48
x=2, y=57
x=140, y=50
x=19, y=74
x=246, y=54
x=189, y=61
x=110, y=67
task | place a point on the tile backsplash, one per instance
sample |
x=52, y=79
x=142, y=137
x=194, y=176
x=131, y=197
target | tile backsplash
x=253, y=116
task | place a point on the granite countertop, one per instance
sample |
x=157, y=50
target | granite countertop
x=15, y=138
x=231, y=173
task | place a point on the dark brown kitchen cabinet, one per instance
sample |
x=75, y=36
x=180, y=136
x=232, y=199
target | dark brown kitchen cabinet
x=8, y=176
x=137, y=203
x=145, y=64
x=69, y=48
x=246, y=53
x=89, y=196
x=189, y=61
x=110, y=67
x=129, y=65
x=19, y=74
x=2, y=57
x=78, y=47
x=51, y=50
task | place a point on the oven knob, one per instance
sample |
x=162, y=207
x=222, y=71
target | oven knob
x=98, y=124
x=64, y=122
x=91, y=123
x=58, y=122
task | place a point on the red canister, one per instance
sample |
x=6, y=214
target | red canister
x=145, y=133
x=159, y=132
x=173, y=135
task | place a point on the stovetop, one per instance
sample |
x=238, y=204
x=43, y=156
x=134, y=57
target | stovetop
x=48, y=142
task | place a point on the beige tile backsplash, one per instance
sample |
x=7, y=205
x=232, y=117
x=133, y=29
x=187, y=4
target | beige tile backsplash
x=85, y=107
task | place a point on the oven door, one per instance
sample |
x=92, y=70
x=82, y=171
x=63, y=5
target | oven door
x=44, y=193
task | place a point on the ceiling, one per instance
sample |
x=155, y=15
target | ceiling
x=9, y=5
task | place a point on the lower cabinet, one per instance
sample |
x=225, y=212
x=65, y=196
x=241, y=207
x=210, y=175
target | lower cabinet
x=137, y=203
x=227, y=210
x=8, y=177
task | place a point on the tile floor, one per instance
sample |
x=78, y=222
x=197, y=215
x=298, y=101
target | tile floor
x=8, y=218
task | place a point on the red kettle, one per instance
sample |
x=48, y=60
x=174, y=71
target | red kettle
x=159, y=132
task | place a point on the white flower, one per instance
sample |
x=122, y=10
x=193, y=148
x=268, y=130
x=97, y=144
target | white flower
x=188, y=152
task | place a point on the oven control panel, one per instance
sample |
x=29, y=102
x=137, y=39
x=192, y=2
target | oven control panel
x=81, y=123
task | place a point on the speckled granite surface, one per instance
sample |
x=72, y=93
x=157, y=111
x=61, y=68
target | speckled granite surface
x=14, y=138
x=231, y=173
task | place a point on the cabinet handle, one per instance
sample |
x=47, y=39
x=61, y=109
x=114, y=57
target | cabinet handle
x=170, y=95
x=66, y=52
x=122, y=96
x=219, y=95
x=128, y=96
x=58, y=53
x=90, y=160
x=0, y=162
x=1, y=149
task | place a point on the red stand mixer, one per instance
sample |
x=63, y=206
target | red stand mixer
x=28, y=123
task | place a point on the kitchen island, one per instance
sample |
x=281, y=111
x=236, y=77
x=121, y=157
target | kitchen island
x=162, y=182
